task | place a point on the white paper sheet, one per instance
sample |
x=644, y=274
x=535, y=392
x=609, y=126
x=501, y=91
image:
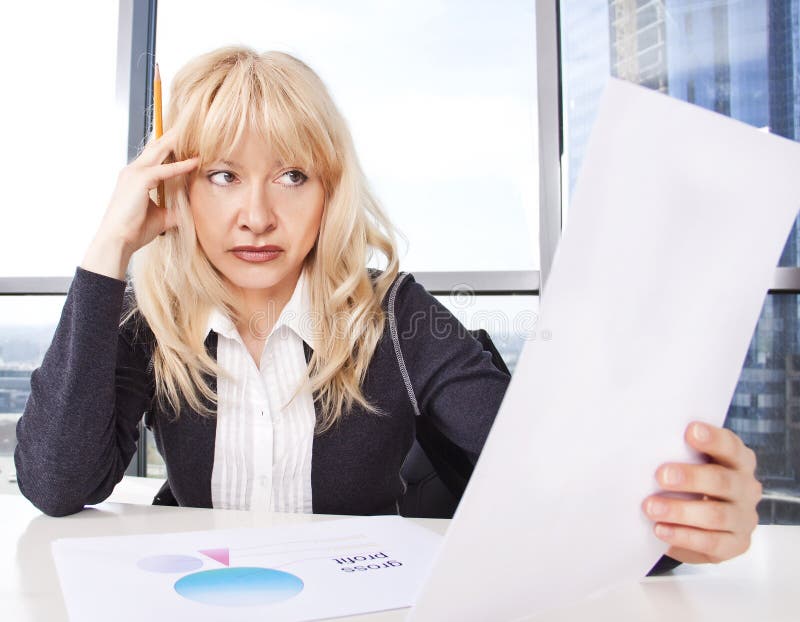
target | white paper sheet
x=301, y=572
x=676, y=226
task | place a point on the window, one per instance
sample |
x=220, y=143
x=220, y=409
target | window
x=741, y=59
x=68, y=129
x=440, y=98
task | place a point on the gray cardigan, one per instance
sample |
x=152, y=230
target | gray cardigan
x=79, y=429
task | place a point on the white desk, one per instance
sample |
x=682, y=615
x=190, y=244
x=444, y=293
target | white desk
x=762, y=585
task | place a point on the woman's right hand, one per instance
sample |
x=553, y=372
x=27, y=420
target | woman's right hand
x=132, y=218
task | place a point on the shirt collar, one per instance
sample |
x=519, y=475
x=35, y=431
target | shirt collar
x=296, y=315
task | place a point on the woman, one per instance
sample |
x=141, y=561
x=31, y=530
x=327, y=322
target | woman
x=275, y=370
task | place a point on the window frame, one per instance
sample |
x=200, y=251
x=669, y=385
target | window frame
x=135, y=66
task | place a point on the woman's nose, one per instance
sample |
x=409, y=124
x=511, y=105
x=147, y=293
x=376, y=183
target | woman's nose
x=258, y=213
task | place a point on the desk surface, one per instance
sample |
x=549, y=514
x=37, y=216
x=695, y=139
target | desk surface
x=763, y=584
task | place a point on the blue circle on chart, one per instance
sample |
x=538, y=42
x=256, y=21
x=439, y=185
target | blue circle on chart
x=239, y=586
x=169, y=563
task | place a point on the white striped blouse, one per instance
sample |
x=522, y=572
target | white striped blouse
x=262, y=456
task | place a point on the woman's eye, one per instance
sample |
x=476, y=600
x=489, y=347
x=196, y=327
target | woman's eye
x=222, y=178
x=293, y=178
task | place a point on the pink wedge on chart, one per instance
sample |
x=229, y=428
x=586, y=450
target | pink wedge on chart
x=223, y=556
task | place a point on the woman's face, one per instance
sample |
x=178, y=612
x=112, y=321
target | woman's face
x=254, y=200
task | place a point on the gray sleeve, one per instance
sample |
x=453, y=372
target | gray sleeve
x=454, y=380
x=79, y=428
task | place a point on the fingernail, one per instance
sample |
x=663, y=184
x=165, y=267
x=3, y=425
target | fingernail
x=663, y=531
x=672, y=476
x=701, y=433
x=656, y=507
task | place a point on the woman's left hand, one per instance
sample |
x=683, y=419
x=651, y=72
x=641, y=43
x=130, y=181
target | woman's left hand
x=717, y=526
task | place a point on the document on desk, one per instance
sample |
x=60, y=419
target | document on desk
x=324, y=569
x=676, y=226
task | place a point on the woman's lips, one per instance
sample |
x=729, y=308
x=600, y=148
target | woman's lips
x=256, y=256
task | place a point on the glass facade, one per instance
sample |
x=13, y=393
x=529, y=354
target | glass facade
x=741, y=59
x=26, y=329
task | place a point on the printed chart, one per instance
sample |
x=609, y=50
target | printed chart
x=304, y=572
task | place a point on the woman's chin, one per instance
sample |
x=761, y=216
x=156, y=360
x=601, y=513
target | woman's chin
x=255, y=278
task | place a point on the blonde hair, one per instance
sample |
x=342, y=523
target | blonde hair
x=214, y=98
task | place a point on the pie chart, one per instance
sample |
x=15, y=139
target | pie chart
x=239, y=586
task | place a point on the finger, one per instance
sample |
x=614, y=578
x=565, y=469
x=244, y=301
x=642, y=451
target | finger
x=722, y=445
x=162, y=172
x=715, y=545
x=708, y=514
x=713, y=480
x=157, y=149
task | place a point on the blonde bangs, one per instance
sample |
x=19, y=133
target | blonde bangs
x=253, y=92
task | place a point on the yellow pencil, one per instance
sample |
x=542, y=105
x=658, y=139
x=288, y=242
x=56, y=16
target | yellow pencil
x=158, y=124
